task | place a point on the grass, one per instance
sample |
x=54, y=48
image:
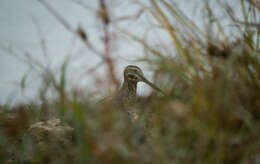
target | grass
x=210, y=114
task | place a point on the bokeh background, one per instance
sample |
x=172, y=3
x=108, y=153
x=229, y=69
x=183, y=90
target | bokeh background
x=25, y=25
x=61, y=67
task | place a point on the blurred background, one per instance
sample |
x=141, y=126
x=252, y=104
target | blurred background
x=61, y=67
x=28, y=28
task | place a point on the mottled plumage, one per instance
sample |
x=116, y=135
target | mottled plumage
x=126, y=96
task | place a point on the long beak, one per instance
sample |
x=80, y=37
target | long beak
x=151, y=84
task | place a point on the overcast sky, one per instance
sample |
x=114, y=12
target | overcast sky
x=21, y=21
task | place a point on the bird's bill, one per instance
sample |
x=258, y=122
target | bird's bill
x=151, y=84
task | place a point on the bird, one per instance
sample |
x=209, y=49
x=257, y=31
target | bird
x=126, y=97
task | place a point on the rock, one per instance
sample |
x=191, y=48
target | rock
x=51, y=130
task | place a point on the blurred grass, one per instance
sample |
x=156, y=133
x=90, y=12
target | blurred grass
x=211, y=113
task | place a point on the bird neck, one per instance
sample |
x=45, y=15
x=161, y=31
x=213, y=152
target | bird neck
x=129, y=87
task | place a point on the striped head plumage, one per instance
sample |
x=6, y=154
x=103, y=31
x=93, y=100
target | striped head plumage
x=133, y=75
x=126, y=96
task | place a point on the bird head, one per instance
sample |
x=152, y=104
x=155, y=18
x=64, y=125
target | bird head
x=135, y=74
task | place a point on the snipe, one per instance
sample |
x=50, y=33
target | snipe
x=126, y=97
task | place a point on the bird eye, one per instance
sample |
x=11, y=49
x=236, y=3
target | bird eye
x=132, y=77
